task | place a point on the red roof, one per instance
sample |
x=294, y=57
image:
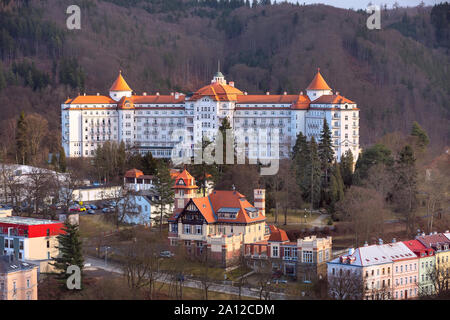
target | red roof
x=218, y=92
x=120, y=84
x=318, y=83
x=209, y=207
x=417, y=247
x=278, y=235
x=332, y=99
x=433, y=240
x=185, y=180
x=133, y=173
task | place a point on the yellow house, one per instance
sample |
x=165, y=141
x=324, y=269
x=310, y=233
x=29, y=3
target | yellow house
x=18, y=279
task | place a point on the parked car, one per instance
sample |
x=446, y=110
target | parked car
x=74, y=209
x=105, y=210
x=82, y=209
x=90, y=211
x=93, y=207
x=166, y=254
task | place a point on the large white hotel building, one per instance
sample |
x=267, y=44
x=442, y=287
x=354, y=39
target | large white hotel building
x=161, y=124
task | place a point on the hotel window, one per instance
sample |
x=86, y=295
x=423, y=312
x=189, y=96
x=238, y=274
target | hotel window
x=187, y=229
x=307, y=256
x=198, y=229
x=275, y=251
x=28, y=283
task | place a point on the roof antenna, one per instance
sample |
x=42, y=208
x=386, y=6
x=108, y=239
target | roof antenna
x=233, y=187
x=218, y=65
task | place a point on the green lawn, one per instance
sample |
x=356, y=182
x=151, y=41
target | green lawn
x=294, y=216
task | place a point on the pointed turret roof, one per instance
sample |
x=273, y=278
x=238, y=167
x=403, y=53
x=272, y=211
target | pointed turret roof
x=120, y=84
x=318, y=83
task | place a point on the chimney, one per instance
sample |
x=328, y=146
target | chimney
x=337, y=93
x=435, y=232
x=380, y=241
x=171, y=93
x=394, y=240
x=423, y=234
x=245, y=93
x=84, y=94
x=157, y=93
x=366, y=244
x=267, y=93
x=301, y=93
x=98, y=93
x=144, y=94
x=285, y=93
x=259, y=199
x=231, y=83
x=177, y=95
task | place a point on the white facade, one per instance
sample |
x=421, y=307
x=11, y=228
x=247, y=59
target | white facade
x=174, y=124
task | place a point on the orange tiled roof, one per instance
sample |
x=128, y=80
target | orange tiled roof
x=90, y=100
x=218, y=92
x=267, y=98
x=120, y=84
x=277, y=234
x=210, y=205
x=188, y=179
x=158, y=99
x=133, y=173
x=332, y=99
x=318, y=83
x=302, y=102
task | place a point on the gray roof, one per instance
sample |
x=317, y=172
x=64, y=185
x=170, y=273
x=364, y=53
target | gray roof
x=8, y=263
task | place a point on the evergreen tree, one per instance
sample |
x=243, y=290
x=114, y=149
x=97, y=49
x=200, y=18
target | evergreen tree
x=222, y=168
x=54, y=162
x=201, y=170
x=70, y=250
x=164, y=194
x=347, y=168
x=300, y=159
x=378, y=153
x=62, y=160
x=149, y=164
x=421, y=136
x=326, y=152
x=405, y=188
x=312, y=177
x=21, y=139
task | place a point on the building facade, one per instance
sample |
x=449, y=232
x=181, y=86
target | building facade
x=220, y=223
x=30, y=239
x=266, y=126
x=18, y=279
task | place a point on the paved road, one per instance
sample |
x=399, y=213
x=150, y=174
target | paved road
x=191, y=283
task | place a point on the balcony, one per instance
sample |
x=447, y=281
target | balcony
x=290, y=258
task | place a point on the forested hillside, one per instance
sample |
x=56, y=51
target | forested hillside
x=397, y=75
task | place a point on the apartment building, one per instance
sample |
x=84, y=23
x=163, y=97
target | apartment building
x=30, y=240
x=18, y=279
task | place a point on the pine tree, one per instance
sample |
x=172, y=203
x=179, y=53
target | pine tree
x=54, y=162
x=326, y=152
x=347, y=168
x=405, y=188
x=21, y=139
x=421, y=135
x=312, y=177
x=62, y=160
x=300, y=159
x=70, y=250
x=164, y=194
x=149, y=164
